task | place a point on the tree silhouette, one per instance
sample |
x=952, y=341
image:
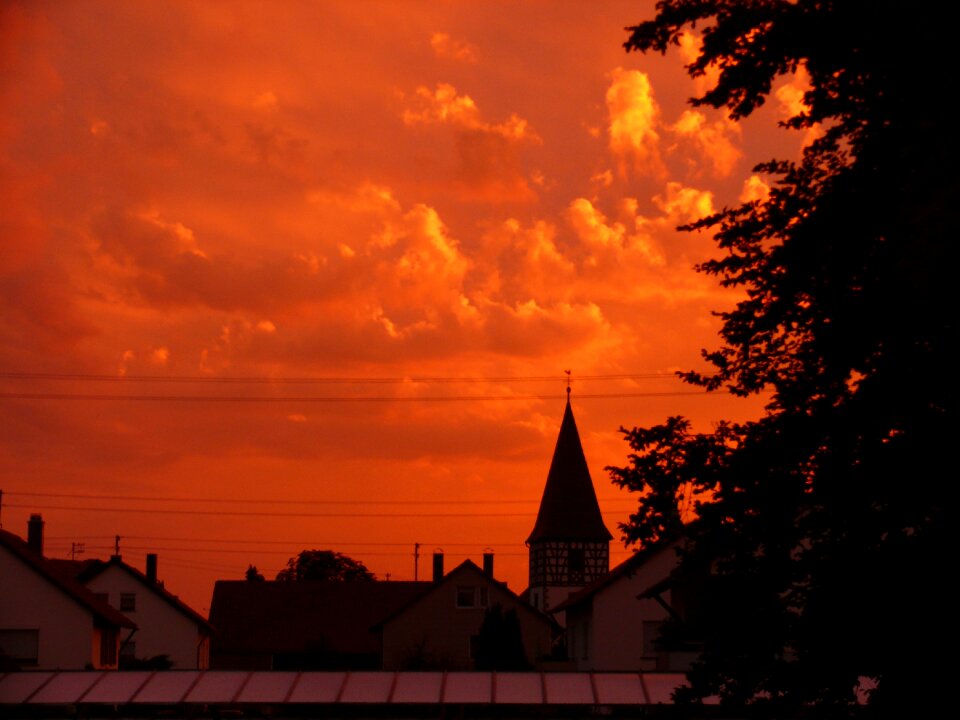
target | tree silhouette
x=499, y=643
x=252, y=574
x=324, y=565
x=823, y=522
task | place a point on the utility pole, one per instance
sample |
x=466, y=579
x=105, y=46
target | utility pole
x=116, y=545
x=77, y=548
x=416, y=561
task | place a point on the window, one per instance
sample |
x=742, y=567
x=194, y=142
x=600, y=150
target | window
x=471, y=596
x=575, y=564
x=466, y=596
x=108, y=646
x=21, y=646
x=128, y=651
x=128, y=602
x=651, y=634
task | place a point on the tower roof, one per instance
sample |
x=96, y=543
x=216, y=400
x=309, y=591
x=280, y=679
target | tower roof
x=569, y=509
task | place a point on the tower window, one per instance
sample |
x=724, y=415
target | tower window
x=575, y=564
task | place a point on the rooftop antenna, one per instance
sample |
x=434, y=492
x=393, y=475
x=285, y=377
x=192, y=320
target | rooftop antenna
x=568, y=384
x=416, y=561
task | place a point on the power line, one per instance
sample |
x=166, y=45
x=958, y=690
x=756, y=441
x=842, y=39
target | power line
x=313, y=541
x=253, y=513
x=335, y=398
x=266, y=380
x=266, y=501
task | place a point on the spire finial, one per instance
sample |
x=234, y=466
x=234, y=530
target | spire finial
x=568, y=384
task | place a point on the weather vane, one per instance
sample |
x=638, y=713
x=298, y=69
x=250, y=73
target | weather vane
x=568, y=383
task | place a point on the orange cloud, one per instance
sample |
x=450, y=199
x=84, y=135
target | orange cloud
x=489, y=166
x=754, y=188
x=690, y=45
x=634, y=115
x=712, y=142
x=446, y=48
x=790, y=98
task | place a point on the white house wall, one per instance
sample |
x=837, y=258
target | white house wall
x=615, y=627
x=28, y=601
x=163, y=630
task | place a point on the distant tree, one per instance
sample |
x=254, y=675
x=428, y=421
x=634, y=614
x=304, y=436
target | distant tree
x=253, y=575
x=324, y=565
x=824, y=522
x=499, y=644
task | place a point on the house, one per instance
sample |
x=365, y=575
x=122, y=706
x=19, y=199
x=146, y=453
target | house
x=48, y=621
x=569, y=544
x=167, y=625
x=440, y=628
x=304, y=625
x=614, y=623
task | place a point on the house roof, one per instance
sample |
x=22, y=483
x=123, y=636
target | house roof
x=290, y=617
x=101, y=611
x=569, y=509
x=467, y=567
x=89, y=569
x=624, y=569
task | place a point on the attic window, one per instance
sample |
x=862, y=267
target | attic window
x=128, y=602
x=471, y=596
x=466, y=596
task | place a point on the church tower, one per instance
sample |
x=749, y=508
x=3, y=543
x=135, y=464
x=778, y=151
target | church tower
x=569, y=545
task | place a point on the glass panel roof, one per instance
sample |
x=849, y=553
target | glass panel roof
x=217, y=686
x=166, y=687
x=116, y=687
x=417, y=687
x=568, y=689
x=17, y=687
x=619, y=689
x=468, y=687
x=519, y=688
x=267, y=687
x=65, y=688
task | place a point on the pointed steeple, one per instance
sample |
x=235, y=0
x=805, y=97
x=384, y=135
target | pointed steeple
x=569, y=509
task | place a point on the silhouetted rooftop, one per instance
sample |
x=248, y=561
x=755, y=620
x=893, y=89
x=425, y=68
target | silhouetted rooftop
x=271, y=618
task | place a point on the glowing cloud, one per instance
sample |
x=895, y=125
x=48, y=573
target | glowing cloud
x=754, y=188
x=634, y=115
x=446, y=48
x=712, y=142
x=690, y=45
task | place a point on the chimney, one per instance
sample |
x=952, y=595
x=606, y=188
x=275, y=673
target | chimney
x=35, y=533
x=152, y=567
x=437, y=566
x=488, y=563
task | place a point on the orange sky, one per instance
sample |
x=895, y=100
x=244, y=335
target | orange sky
x=365, y=190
